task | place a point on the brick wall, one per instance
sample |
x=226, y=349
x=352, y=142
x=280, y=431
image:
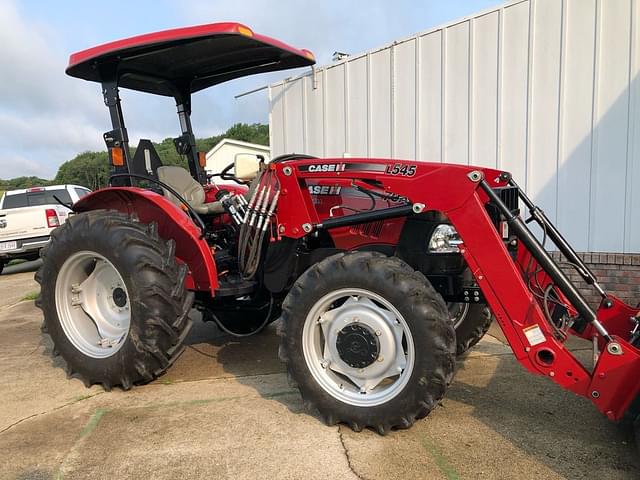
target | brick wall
x=619, y=274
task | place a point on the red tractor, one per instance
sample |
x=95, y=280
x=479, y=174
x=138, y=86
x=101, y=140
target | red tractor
x=379, y=270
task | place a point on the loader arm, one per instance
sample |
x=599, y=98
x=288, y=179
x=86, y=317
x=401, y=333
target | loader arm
x=511, y=283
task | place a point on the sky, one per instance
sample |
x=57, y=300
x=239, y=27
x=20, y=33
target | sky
x=46, y=117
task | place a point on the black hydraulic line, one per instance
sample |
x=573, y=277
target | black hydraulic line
x=364, y=217
x=193, y=213
x=546, y=262
x=559, y=241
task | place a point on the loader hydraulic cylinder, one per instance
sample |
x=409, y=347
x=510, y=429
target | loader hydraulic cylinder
x=556, y=237
x=518, y=227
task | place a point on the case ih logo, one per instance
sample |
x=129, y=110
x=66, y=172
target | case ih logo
x=324, y=189
x=326, y=167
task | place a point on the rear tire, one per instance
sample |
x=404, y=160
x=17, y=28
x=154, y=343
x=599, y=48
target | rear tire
x=471, y=322
x=384, y=299
x=103, y=272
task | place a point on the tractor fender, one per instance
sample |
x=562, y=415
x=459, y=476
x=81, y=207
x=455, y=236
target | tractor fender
x=173, y=223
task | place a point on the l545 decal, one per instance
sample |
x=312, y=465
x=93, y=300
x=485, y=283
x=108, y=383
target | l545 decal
x=401, y=169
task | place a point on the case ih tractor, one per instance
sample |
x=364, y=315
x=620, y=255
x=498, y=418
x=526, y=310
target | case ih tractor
x=379, y=270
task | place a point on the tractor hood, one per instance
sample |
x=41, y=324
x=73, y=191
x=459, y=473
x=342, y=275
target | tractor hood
x=186, y=59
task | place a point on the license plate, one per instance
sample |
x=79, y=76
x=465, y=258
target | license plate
x=8, y=246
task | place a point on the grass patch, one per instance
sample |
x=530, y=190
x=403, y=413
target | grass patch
x=93, y=422
x=31, y=296
x=444, y=466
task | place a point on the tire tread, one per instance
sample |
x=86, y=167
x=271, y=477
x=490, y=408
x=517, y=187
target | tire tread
x=165, y=324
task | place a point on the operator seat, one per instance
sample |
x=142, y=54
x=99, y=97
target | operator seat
x=182, y=182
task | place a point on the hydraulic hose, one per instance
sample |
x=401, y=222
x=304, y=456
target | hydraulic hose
x=255, y=226
x=235, y=334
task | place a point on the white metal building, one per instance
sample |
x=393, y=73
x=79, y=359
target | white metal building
x=547, y=89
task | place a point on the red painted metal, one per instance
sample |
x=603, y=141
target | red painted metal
x=232, y=47
x=211, y=190
x=211, y=29
x=172, y=223
x=611, y=388
x=450, y=190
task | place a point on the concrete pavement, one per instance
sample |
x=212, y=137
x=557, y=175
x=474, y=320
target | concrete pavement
x=225, y=410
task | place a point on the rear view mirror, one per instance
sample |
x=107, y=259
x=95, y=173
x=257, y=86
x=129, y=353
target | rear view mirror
x=246, y=166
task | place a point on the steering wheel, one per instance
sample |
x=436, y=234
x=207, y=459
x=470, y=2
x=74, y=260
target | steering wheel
x=225, y=175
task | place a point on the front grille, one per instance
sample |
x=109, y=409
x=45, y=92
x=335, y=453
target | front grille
x=370, y=229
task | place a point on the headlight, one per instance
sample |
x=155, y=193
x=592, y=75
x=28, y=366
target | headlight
x=444, y=239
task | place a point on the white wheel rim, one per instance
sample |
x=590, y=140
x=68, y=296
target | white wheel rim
x=376, y=383
x=92, y=303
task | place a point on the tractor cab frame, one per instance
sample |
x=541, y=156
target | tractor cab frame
x=177, y=63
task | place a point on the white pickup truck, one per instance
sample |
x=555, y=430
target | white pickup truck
x=28, y=216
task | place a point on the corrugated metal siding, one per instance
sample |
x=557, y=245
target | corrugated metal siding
x=547, y=89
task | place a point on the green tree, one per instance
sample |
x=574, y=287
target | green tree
x=91, y=169
x=23, y=182
x=254, y=133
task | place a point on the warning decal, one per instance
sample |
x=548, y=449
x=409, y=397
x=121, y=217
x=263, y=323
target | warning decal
x=534, y=335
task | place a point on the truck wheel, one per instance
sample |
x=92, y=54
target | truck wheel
x=368, y=342
x=1, y=266
x=471, y=322
x=114, y=299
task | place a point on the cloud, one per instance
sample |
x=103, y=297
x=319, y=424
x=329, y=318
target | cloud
x=33, y=61
x=46, y=117
x=322, y=27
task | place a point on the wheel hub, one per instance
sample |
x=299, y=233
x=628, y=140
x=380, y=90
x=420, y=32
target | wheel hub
x=119, y=297
x=358, y=345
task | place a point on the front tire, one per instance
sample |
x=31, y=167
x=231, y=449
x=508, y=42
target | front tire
x=471, y=322
x=368, y=341
x=114, y=299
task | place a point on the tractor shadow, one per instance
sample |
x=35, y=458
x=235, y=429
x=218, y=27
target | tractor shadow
x=559, y=429
x=211, y=354
x=252, y=361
